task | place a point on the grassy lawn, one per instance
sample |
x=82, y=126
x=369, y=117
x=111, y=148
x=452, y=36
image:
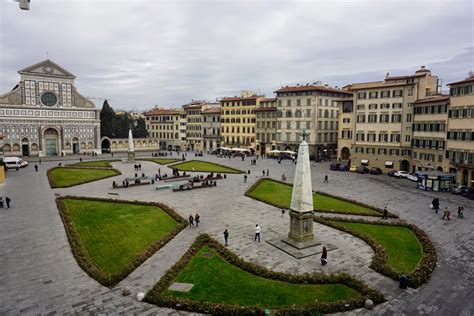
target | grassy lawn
x=113, y=234
x=64, y=177
x=278, y=194
x=95, y=163
x=218, y=281
x=203, y=166
x=162, y=161
x=401, y=245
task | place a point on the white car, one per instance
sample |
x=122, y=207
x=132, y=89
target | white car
x=400, y=174
x=412, y=177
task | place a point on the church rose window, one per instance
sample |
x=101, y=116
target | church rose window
x=49, y=99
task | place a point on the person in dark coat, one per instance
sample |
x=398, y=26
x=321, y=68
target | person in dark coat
x=191, y=221
x=226, y=236
x=385, y=212
x=7, y=201
x=197, y=219
x=36, y=168
x=324, y=256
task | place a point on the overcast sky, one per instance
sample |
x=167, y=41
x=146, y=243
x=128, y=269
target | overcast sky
x=139, y=54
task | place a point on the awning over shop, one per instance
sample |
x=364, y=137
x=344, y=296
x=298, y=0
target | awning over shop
x=389, y=164
x=364, y=162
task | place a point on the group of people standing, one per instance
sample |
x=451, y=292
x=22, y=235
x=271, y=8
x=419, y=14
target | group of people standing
x=194, y=219
x=137, y=167
x=446, y=212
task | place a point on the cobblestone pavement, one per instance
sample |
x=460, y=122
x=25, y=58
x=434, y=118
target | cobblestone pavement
x=40, y=275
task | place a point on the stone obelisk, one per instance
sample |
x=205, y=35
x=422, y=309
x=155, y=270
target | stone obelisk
x=131, y=151
x=301, y=213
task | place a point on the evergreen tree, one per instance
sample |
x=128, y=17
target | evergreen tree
x=107, y=118
x=139, y=131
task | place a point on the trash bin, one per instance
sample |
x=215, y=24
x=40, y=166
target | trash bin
x=403, y=281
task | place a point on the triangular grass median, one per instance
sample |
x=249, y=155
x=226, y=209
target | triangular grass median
x=400, y=248
x=224, y=284
x=278, y=194
x=161, y=161
x=204, y=166
x=110, y=238
x=64, y=177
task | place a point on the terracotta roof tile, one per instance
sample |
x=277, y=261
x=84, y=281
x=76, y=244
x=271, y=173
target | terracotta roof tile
x=311, y=88
x=434, y=98
x=470, y=79
x=253, y=97
x=159, y=111
x=214, y=110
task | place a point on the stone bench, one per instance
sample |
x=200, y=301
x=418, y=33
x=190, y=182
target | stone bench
x=164, y=187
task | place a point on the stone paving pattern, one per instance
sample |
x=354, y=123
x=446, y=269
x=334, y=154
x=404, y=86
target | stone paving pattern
x=40, y=275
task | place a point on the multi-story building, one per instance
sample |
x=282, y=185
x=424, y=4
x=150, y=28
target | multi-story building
x=265, y=121
x=310, y=107
x=238, y=119
x=383, y=113
x=194, y=124
x=164, y=124
x=182, y=129
x=345, y=139
x=211, y=128
x=430, y=116
x=460, y=147
x=44, y=115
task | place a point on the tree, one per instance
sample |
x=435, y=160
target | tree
x=121, y=125
x=139, y=131
x=107, y=119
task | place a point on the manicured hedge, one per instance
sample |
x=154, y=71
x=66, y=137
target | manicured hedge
x=155, y=296
x=379, y=210
x=230, y=170
x=80, y=254
x=379, y=261
x=53, y=185
x=84, y=164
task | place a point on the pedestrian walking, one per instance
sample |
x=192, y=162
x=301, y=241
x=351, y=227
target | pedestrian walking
x=460, y=211
x=140, y=166
x=226, y=236
x=268, y=172
x=263, y=173
x=283, y=177
x=257, y=232
x=435, y=204
x=245, y=178
x=446, y=213
x=36, y=168
x=191, y=221
x=324, y=256
x=385, y=212
x=326, y=179
x=7, y=201
x=197, y=219
x=282, y=212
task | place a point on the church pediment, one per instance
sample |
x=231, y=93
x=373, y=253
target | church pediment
x=47, y=68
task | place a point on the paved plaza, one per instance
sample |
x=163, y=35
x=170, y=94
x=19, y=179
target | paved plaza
x=39, y=274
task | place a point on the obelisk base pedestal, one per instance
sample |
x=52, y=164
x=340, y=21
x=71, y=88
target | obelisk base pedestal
x=131, y=156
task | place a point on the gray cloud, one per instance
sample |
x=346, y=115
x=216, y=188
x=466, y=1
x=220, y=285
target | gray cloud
x=143, y=53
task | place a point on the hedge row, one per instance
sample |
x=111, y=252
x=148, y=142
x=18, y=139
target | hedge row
x=155, y=295
x=52, y=183
x=80, y=253
x=379, y=210
x=77, y=165
x=236, y=171
x=380, y=260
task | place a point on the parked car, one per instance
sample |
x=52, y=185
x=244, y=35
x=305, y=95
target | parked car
x=391, y=173
x=400, y=174
x=363, y=169
x=343, y=167
x=335, y=166
x=412, y=177
x=460, y=190
x=376, y=171
x=470, y=194
x=353, y=169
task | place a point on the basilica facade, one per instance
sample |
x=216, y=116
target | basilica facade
x=44, y=115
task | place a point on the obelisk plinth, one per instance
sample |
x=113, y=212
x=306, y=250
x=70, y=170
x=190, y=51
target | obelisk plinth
x=131, y=151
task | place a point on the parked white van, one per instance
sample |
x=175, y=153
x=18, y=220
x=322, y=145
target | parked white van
x=15, y=162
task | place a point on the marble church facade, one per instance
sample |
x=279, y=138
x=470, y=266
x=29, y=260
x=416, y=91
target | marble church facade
x=44, y=115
